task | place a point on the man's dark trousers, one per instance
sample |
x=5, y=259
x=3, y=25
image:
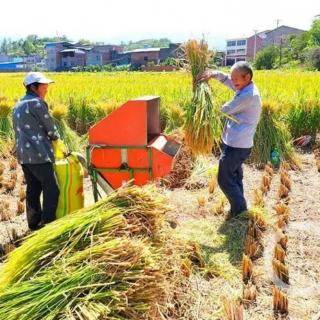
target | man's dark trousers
x=40, y=178
x=230, y=176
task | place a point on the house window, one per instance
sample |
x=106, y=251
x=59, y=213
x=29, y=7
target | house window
x=241, y=42
x=145, y=58
x=241, y=51
x=98, y=58
x=231, y=43
x=231, y=51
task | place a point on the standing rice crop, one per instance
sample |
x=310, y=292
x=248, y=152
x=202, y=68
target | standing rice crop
x=6, y=107
x=203, y=118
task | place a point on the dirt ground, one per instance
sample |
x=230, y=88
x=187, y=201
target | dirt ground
x=222, y=244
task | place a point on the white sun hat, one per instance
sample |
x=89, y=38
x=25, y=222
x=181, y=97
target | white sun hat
x=33, y=77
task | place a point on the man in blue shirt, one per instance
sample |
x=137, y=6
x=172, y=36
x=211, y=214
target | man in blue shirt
x=238, y=132
x=34, y=131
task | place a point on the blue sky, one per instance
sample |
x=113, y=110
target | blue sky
x=113, y=21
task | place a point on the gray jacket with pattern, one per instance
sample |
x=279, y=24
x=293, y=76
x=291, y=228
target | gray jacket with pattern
x=34, y=130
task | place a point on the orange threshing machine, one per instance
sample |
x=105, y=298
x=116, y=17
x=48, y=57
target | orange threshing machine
x=128, y=145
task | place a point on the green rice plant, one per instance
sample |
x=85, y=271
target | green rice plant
x=203, y=123
x=6, y=108
x=304, y=118
x=272, y=133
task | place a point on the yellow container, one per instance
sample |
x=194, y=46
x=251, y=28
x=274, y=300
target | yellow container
x=69, y=174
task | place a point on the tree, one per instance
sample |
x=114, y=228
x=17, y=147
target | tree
x=314, y=58
x=266, y=58
x=315, y=32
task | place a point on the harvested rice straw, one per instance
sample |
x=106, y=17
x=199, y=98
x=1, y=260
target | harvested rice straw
x=247, y=269
x=203, y=124
x=281, y=270
x=268, y=169
x=279, y=253
x=266, y=182
x=252, y=248
x=249, y=292
x=258, y=200
x=283, y=191
x=233, y=309
x=280, y=301
x=258, y=216
x=284, y=241
x=128, y=211
x=282, y=209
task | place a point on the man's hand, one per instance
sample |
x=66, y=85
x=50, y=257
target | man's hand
x=205, y=76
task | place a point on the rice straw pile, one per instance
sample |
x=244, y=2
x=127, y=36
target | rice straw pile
x=203, y=124
x=98, y=263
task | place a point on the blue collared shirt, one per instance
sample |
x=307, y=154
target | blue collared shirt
x=245, y=108
x=34, y=130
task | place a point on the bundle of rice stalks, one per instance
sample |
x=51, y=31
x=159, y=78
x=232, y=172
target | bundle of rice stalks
x=280, y=301
x=254, y=231
x=283, y=192
x=266, y=182
x=13, y=164
x=114, y=279
x=203, y=123
x=252, y=247
x=285, y=166
x=20, y=207
x=285, y=180
x=258, y=200
x=281, y=270
x=14, y=176
x=201, y=201
x=281, y=209
x=284, y=241
x=69, y=137
x=249, y=293
x=4, y=212
x=272, y=133
x=212, y=185
x=233, y=309
x=258, y=217
x=247, y=269
x=9, y=185
x=2, y=167
x=283, y=221
x=318, y=165
x=279, y=253
x=6, y=107
x=22, y=194
x=219, y=206
x=268, y=169
x=128, y=211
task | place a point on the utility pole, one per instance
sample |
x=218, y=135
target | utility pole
x=255, y=44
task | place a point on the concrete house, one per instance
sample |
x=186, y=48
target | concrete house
x=246, y=48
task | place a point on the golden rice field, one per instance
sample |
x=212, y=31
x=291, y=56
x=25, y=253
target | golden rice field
x=291, y=100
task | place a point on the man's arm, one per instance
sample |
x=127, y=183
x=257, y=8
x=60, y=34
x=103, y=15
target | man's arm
x=219, y=76
x=42, y=113
x=223, y=78
x=236, y=105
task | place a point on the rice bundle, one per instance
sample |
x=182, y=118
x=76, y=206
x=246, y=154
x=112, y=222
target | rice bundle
x=203, y=123
x=247, y=269
x=69, y=137
x=249, y=292
x=98, y=263
x=252, y=247
x=282, y=209
x=279, y=253
x=283, y=192
x=281, y=270
x=272, y=133
x=258, y=200
x=258, y=217
x=233, y=309
x=280, y=301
